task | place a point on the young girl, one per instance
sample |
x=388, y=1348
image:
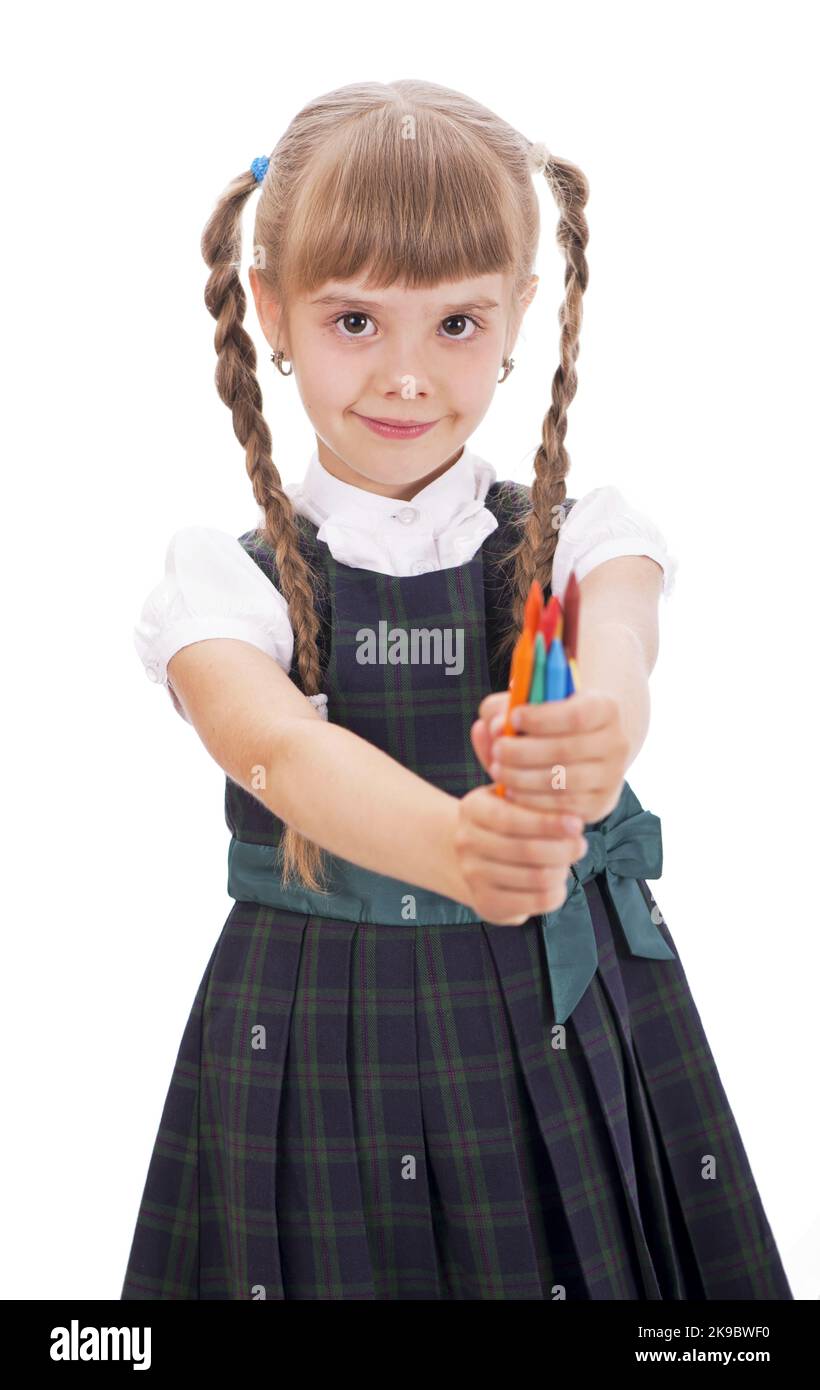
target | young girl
x=444, y=1047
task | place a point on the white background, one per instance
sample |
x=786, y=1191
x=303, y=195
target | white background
x=696, y=126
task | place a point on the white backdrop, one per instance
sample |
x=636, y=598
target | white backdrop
x=697, y=398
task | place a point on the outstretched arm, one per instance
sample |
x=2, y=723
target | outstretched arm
x=618, y=638
x=250, y=715
x=355, y=801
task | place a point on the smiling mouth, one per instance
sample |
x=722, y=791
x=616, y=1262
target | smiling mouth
x=396, y=429
x=398, y=424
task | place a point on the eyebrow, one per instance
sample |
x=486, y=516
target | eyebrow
x=337, y=299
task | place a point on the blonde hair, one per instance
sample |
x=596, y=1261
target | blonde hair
x=404, y=181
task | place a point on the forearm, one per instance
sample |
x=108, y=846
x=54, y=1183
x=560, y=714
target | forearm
x=611, y=658
x=332, y=786
x=356, y=801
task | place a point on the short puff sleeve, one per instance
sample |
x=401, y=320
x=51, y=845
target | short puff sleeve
x=211, y=588
x=601, y=525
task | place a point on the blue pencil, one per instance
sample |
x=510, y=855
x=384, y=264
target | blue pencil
x=556, y=673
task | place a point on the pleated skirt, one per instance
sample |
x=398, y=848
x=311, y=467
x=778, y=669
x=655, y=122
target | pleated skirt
x=388, y=1112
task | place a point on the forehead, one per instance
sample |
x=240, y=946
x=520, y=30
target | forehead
x=487, y=292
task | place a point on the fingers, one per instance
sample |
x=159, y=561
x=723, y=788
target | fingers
x=517, y=860
x=506, y=907
x=506, y=901
x=561, y=749
x=496, y=814
x=570, y=794
x=523, y=878
x=591, y=808
x=557, y=778
x=543, y=852
x=480, y=738
x=494, y=704
x=585, y=712
x=581, y=713
x=517, y=836
x=530, y=766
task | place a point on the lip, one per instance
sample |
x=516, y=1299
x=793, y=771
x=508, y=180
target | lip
x=390, y=429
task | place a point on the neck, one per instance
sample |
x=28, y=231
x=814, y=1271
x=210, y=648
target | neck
x=403, y=492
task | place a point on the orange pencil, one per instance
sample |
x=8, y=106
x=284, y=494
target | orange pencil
x=520, y=677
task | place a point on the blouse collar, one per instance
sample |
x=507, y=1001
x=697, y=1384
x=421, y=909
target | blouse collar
x=439, y=527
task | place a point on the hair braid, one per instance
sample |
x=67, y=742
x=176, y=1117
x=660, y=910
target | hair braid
x=533, y=554
x=239, y=388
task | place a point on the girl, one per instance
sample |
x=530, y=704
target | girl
x=444, y=1047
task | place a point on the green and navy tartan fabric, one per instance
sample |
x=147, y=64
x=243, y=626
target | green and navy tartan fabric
x=368, y=1111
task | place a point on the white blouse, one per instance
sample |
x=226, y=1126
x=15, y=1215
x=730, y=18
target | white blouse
x=212, y=587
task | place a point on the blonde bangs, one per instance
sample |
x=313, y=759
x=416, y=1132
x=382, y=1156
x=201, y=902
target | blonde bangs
x=419, y=210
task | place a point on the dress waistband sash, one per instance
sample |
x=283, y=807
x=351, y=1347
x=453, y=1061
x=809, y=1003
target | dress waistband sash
x=626, y=846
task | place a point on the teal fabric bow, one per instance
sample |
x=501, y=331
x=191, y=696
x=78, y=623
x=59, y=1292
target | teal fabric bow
x=626, y=845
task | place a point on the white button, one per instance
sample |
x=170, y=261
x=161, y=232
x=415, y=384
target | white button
x=152, y=671
x=407, y=515
x=420, y=568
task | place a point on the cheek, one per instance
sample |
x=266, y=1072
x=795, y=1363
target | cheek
x=476, y=370
x=328, y=374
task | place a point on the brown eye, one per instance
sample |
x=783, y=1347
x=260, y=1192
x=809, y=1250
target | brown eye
x=354, y=321
x=459, y=320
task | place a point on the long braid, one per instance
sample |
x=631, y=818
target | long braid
x=532, y=554
x=239, y=388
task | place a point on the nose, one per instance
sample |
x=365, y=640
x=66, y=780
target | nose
x=402, y=370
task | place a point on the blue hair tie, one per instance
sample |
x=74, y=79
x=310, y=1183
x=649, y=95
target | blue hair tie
x=259, y=168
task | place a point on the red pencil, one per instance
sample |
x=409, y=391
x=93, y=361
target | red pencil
x=533, y=608
x=572, y=602
x=551, y=621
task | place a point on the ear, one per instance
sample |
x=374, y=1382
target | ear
x=524, y=301
x=267, y=308
x=529, y=294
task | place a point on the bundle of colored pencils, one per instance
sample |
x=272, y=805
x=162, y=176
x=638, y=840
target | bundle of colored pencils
x=544, y=660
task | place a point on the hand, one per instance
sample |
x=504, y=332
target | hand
x=514, y=862
x=573, y=758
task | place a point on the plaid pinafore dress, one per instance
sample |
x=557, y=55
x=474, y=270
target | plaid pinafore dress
x=379, y=1096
